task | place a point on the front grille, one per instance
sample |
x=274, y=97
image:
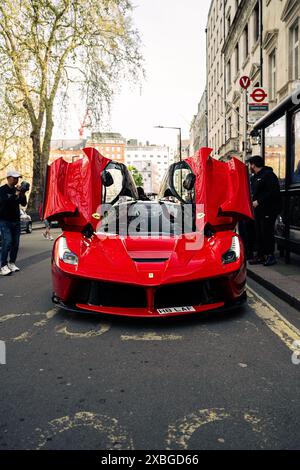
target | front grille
x=189, y=293
x=109, y=294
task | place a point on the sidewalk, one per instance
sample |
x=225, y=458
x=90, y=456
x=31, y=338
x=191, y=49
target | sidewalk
x=281, y=279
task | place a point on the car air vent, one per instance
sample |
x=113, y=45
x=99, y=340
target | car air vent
x=150, y=260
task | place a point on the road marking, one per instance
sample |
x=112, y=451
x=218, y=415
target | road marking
x=116, y=435
x=23, y=337
x=103, y=328
x=50, y=314
x=150, y=337
x=180, y=433
x=183, y=429
x=287, y=332
x=10, y=316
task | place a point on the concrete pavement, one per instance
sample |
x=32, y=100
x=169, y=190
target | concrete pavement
x=282, y=279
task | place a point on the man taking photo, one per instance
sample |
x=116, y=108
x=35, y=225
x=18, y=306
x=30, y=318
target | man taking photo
x=267, y=205
x=11, y=196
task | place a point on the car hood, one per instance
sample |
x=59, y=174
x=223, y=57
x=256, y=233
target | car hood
x=149, y=261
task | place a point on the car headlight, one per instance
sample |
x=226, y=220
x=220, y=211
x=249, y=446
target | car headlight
x=233, y=254
x=65, y=254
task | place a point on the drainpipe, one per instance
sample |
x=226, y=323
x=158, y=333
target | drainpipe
x=261, y=41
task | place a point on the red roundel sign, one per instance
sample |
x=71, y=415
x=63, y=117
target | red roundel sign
x=258, y=95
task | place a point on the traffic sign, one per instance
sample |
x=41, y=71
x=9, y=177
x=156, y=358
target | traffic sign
x=245, y=82
x=258, y=95
x=258, y=100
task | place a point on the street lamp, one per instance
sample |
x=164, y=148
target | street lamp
x=178, y=129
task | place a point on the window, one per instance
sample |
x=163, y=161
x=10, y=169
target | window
x=246, y=42
x=228, y=23
x=294, y=51
x=229, y=73
x=272, y=74
x=296, y=148
x=275, y=154
x=229, y=128
x=238, y=120
x=256, y=22
x=237, y=58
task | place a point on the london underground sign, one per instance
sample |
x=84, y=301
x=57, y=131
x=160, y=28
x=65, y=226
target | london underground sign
x=258, y=100
x=258, y=95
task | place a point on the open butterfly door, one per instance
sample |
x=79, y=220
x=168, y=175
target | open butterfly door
x=219, y=190
x=76, y=191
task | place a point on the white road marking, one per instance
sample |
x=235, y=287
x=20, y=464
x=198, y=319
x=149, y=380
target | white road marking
x=287, y=332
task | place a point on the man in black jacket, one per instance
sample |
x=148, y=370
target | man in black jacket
x=11, y=196
x=267, y=205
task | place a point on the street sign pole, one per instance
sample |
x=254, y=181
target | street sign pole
x=245, y=83
x=245, y=125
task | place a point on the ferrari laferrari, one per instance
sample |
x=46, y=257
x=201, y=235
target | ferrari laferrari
x=120, y=253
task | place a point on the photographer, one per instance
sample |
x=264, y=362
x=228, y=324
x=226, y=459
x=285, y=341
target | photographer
x=11, y=196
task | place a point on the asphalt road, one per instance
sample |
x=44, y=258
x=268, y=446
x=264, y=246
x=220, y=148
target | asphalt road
x=95, y=382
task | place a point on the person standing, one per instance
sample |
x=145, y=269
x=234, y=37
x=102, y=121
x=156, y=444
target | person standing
x=11, y=197
x=267, y=205
x=47, y=233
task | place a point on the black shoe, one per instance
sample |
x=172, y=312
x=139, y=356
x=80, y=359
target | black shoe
x=256, y=260
x=270, y=260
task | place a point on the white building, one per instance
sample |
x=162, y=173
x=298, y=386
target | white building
x=215, y=75
x=159, y=158
x=198, y=129
x=242, y=57
x=254, y=38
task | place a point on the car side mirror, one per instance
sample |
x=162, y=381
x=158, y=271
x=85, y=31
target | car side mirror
x=189, y=182
x=107, y=179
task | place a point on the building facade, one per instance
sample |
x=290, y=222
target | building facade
x=141, y=155
x=215, y=84
x=254, y=38
x=110, y=144
x=242, y=57
x=198, y=129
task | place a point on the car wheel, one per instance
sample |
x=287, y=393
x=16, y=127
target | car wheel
x=29, y=228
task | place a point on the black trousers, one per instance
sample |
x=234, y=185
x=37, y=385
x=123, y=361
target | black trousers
x=265, y=239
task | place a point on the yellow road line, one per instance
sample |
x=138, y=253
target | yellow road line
x=287, y=332
x=150, y=337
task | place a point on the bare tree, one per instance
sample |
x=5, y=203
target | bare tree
x=47, y=44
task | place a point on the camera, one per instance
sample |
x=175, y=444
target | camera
x=24, y=186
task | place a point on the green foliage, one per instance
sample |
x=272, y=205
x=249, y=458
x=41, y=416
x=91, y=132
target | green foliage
x=138, y=178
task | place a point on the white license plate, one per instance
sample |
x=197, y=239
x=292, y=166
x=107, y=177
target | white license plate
x=163, y=311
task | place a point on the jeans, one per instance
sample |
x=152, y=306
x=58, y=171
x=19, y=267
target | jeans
x=265, y=228
x=10, y=234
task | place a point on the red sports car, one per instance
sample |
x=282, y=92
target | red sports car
x=122, y=254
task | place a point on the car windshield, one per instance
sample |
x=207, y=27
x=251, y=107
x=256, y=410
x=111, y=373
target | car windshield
x=148, y=219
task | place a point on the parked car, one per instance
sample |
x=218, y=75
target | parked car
x=26, y=222
x=134, y=257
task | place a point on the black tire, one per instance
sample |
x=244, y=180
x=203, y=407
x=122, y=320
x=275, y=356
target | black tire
x=29, y=227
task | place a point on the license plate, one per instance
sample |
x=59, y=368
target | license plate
x=163, y=311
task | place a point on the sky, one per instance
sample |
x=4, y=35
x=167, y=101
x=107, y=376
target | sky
x=173, y=46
